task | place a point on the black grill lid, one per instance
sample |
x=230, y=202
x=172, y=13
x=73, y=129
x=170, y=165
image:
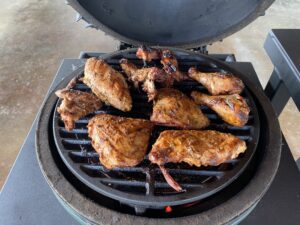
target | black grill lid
x=181, y=23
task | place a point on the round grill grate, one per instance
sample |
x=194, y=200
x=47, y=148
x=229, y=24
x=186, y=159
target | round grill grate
x=144, y=184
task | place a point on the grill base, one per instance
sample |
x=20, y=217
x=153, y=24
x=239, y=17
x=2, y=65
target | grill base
x=83, y=220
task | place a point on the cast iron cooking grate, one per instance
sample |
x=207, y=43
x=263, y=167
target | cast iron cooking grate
x=144, y=184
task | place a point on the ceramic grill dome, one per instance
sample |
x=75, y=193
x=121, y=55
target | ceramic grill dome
x=181, y=23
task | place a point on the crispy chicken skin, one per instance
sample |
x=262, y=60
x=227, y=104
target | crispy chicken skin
x=195, y=147
x=198, y=148
x=233, y=109
x=120, y=141
x=217, y=83
x=148, y=76
x=173, y=108
x=170, y=65
x=76, y=104
x=148, y=54
x=108, y=84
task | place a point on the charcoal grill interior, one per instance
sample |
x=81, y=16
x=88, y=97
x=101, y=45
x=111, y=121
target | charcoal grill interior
x=144, y=184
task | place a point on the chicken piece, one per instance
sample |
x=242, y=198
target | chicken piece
x=198, y=148
x=170, y=65
x=120, y=141
x=76, y=104
x=149, y=87
x=217, y=83
x=108, y=84
x=147, y=76
x=173, y=108
x=148, y=54
x=233, y=109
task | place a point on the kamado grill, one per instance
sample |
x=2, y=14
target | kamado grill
x=135, y=195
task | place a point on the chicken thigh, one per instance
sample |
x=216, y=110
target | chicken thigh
x=75, y=104
x=173, y=108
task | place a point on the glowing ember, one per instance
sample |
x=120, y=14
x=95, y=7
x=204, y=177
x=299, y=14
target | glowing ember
x=168, y=209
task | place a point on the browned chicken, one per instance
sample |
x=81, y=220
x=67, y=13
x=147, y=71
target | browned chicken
x=120, y=141
x=217, y=83
x=233, y=109
x=198, y=148
x=76, y=104
x=173, y=108
x=108, y=84
x=148, y=54
x=170, y=65
x=147, y=76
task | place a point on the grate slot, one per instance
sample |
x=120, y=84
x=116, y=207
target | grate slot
x=183, y=185
x=76, y=141
x=195, y=172
x=74, y=131
x=131, y=183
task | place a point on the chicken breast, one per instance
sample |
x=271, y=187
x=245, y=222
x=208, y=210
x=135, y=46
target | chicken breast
x=108, y=84
x=233, y=109
x=76, y=104
x=217, y=83
x=120, y=141
x=173, y=108
x=198, y=148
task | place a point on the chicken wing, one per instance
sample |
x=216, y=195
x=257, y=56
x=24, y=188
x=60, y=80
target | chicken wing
x=170, y=65
x=147, y=76
x=198, y=148
x=76, y=104
x=217, y=83
x=233, y=109
x=173, y=108
x=148, y=54
x=120, y=142
x=108, y=84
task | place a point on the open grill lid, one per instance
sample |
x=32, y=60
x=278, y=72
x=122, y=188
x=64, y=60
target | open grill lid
x=181, y=23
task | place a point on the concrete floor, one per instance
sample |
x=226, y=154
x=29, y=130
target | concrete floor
x=35, y=35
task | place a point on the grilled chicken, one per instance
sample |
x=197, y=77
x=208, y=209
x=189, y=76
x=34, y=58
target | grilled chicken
x=148, y=54
x=76, y=104
x=120, y=142
x=173, y=108
x=198, y=148
x=233, y=109
x=147, y=76
x=108, y=84
x=170, y=65
x=217, y=83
